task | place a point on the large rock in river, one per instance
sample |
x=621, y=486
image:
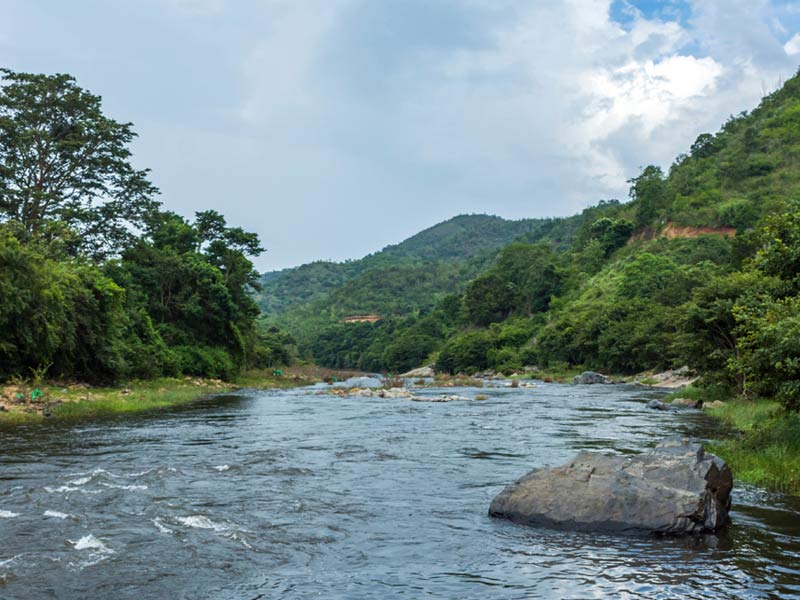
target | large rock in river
x=676, y=488
x=590, y=377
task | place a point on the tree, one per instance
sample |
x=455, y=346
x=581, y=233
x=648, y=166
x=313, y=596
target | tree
x=611, y=233
x=62, y=160
x=195, y=281
x=489, y=298
x=649, y=192
x=779, y=239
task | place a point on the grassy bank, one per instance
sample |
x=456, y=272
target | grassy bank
x=80, y=401
x=763, y=447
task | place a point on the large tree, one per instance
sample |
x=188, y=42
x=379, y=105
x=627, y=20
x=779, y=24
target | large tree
x=65, y=166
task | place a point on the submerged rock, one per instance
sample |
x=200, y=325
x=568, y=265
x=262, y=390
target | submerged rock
x=439, y=398
x=676, y=405
x=394, y=393
x=676, y=488
x=590, y=377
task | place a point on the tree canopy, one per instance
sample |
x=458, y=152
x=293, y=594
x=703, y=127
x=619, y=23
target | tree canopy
x=65, y=166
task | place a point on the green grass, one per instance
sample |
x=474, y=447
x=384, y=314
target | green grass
x=265, y=379
x=706, y=393
x=83, y=402
x=138, y=400
x=765, y=447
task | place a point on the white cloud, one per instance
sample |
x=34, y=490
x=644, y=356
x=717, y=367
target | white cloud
x=280, y=68
x=792, y=47
x=549, y=107
x=197, y=8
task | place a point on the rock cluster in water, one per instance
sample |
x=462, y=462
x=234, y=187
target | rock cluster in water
x=590, y=377
x=676, y=488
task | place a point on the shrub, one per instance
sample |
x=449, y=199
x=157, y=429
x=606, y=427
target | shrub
x=205, y=361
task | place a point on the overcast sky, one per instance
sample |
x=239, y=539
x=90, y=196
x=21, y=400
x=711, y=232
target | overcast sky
x=335, y=127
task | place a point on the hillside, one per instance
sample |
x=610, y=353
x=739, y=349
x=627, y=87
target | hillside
x=400, y=278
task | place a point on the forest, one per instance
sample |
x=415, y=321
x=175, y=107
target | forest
x=100, y=283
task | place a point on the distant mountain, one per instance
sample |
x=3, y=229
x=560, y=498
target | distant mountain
x=402, y=277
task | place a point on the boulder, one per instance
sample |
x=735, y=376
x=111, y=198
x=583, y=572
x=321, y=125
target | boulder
x=590, y=377
x=675, y=489
x=420, y=372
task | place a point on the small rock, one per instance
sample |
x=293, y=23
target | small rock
x=673, y=379
x=687, y=402
x=440, y=398
x=714, y=404
x=360, y=392
x=659, y=405
x=590, y=378
x=395, y=393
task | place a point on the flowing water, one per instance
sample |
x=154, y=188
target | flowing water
x=291, y=494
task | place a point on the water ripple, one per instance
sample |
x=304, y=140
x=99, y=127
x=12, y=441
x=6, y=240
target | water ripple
x=292, y=494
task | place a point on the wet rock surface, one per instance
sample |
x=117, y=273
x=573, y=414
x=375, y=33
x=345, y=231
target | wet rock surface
x=675, y=488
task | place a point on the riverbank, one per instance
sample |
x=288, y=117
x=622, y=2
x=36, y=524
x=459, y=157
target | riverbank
x=761, y=441
x=21, y=404
x=763, y=447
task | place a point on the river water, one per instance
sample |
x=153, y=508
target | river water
x=292, y=494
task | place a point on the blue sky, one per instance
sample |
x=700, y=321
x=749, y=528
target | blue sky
x=335, y=127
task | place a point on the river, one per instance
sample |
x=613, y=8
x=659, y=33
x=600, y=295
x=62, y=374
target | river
x=292, y=494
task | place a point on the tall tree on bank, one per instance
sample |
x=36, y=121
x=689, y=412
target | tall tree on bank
x=65, y=167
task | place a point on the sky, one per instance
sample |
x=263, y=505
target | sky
x=335, y=127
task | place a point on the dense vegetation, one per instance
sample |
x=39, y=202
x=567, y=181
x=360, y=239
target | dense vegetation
x=700, y=267
x=97, y=282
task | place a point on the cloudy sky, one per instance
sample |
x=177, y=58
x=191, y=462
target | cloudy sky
x=335, y=127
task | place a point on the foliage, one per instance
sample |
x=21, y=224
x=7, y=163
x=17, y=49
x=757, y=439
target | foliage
x=466, y=353
x=64, y=165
